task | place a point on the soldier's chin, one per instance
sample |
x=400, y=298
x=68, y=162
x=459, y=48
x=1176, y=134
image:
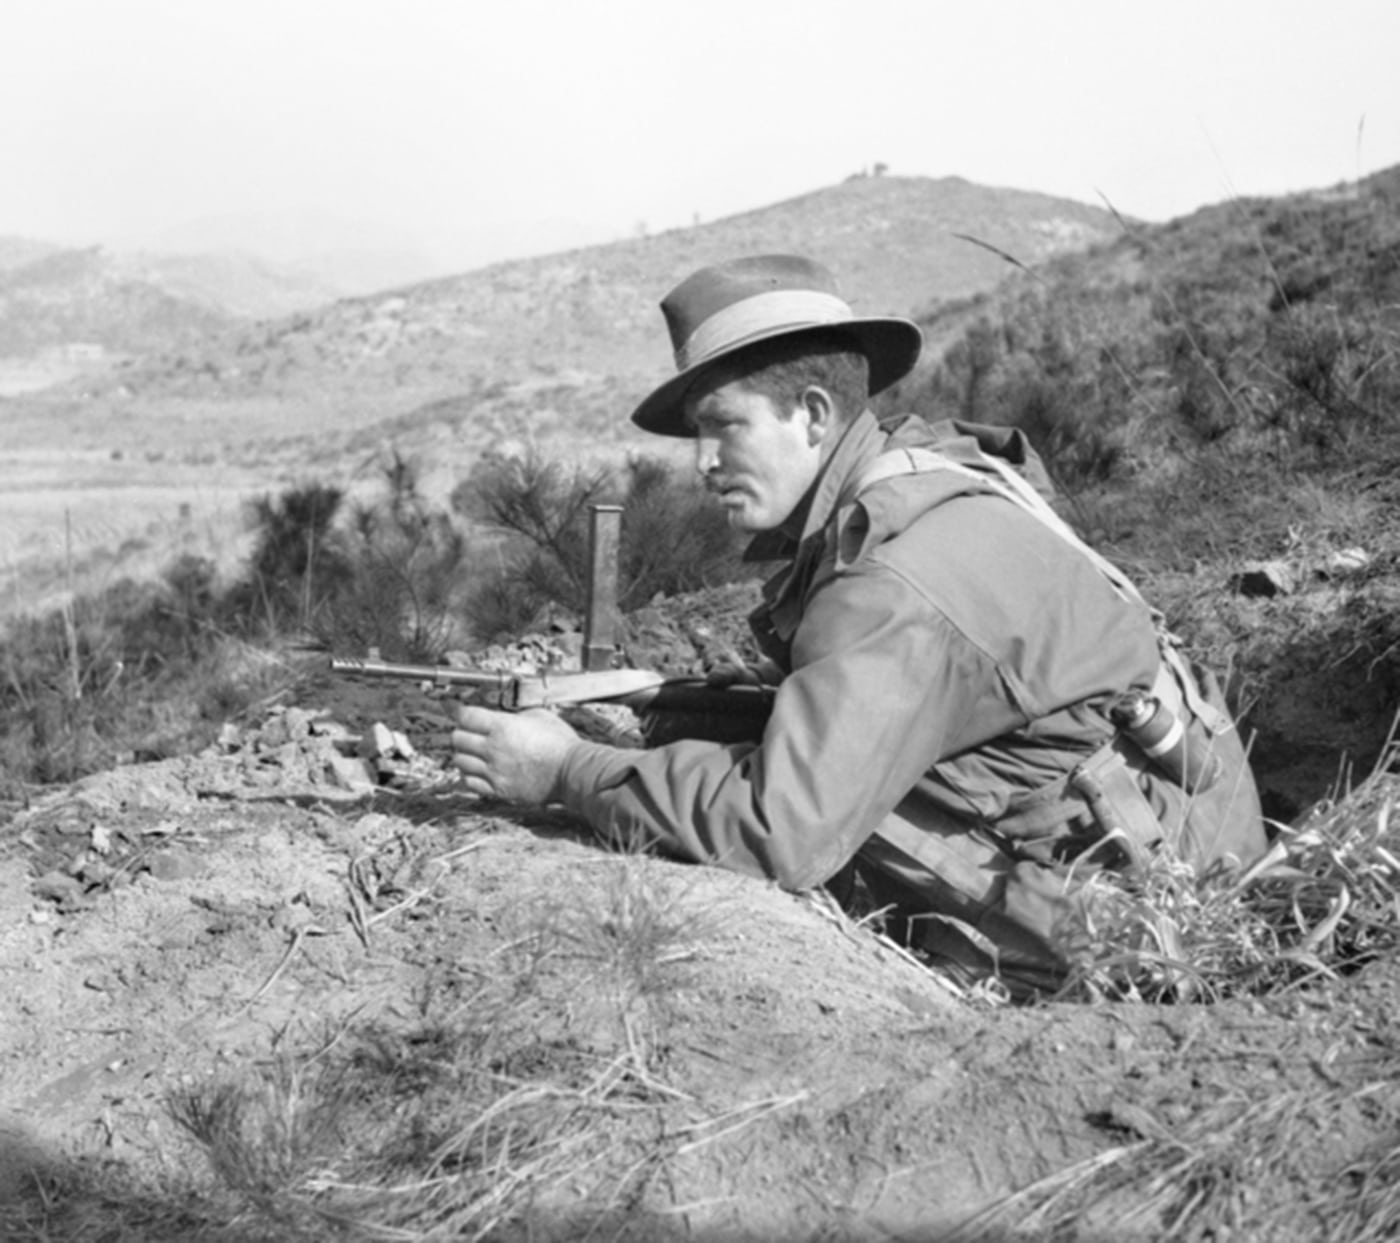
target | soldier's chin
x=742, y=516
x=733, y=505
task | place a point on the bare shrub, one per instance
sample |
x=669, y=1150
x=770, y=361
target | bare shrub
x=298, y=562
x=404, y=572
x=543, y=504
x=673, y=539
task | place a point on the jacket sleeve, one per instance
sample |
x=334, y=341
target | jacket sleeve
x=883, y=685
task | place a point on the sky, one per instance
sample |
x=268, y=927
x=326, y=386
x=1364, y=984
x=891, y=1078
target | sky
x=474, y=131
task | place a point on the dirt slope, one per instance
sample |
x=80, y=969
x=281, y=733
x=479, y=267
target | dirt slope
x=768, y=1070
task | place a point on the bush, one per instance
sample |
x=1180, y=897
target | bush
x=298, y=563
x=388, y=578
x=108, y=676
x=1248, y=328
x=673, y=539
x=404, y=566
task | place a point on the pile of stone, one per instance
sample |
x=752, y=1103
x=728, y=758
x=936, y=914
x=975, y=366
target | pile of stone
x=296, y=749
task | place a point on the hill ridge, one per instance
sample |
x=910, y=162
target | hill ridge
x=890, y=240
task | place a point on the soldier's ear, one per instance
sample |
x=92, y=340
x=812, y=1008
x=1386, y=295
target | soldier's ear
x=821, y=413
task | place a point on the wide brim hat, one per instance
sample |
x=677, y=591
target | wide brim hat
x=728, y=307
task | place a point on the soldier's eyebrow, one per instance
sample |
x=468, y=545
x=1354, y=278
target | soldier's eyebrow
x=690, y=410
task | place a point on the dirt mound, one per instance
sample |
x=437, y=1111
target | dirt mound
x=699, y=1055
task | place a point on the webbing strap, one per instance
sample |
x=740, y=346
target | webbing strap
x=1174, y=684
x=974, y=868
x=1001, y=478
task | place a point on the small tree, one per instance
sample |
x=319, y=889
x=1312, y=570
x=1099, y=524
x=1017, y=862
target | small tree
x=543, y=503
x=297, y=563
x=405, y=569
x=674, y=538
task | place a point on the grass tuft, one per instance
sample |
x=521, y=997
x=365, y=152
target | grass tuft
x=1323, y=902
x=530, y=1091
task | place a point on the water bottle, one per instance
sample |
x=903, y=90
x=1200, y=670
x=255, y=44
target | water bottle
x=1185, y=755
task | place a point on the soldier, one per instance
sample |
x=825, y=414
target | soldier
x=952, y=659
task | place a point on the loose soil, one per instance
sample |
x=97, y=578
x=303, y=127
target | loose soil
x=793, y=1076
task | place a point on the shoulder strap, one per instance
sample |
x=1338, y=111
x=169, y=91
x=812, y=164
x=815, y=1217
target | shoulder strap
x=1003, y=479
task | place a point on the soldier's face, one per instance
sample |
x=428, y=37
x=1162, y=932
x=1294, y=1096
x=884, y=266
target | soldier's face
x=759, y=460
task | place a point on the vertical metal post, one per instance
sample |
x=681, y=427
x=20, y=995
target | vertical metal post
x=601, y=622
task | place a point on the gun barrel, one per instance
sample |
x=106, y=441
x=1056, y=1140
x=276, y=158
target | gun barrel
x=439, y=675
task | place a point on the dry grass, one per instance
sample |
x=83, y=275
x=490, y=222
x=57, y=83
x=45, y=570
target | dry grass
x=1234, y=1171
x=530, y=1091
x=1321, y=903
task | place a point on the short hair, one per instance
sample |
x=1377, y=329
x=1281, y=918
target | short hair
x=782, y=368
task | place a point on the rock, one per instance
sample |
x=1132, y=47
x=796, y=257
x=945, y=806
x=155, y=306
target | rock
x=230, y=737
x=1264, y=579
x=377, y=741
x=159, y=787
x=332, y=731
x=1343, y=562
x=96, y=872
x=297, y=722
x=285, y=756
x=273, y=733
x=350, y=772
x=58, y=887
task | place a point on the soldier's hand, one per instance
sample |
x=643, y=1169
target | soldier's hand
x=518, y=757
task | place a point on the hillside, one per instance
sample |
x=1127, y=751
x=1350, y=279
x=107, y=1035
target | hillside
x=891, y=240
x=1242, y=324
x=17, y=251
x=53, y=299
x=238, y=285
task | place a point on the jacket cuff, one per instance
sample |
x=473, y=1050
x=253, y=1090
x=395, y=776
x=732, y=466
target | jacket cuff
x=589, y=768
